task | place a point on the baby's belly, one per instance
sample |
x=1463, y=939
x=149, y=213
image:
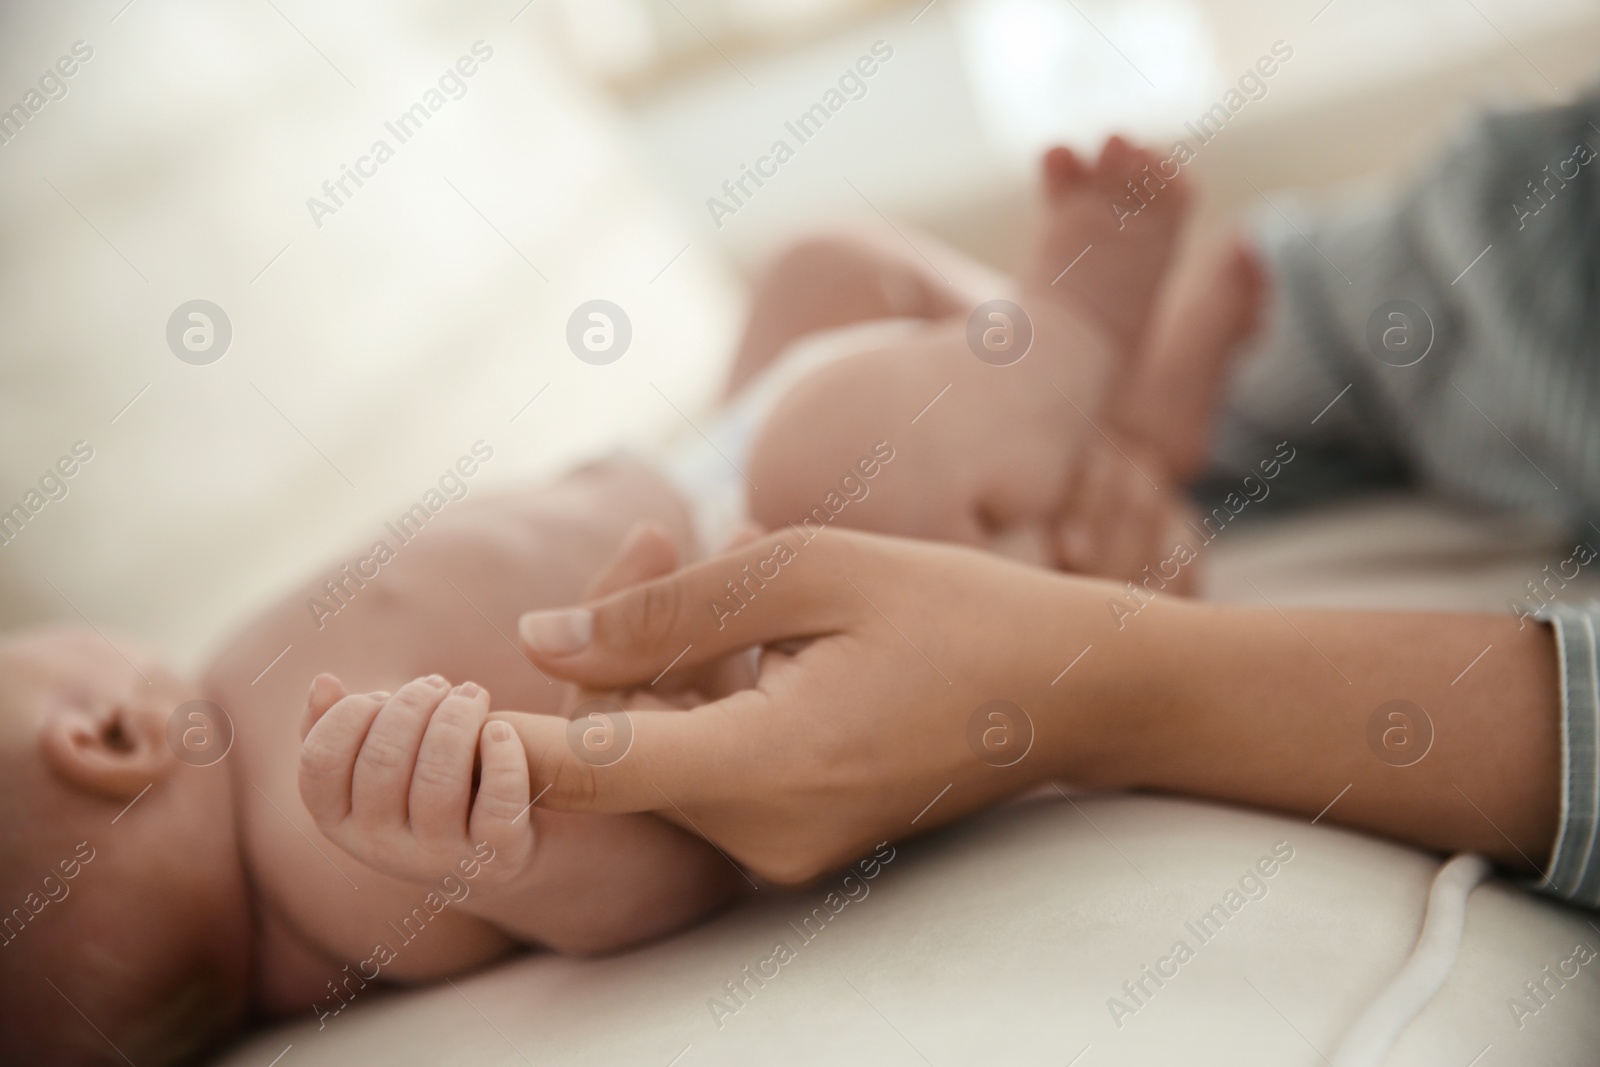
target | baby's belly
x=447, y=600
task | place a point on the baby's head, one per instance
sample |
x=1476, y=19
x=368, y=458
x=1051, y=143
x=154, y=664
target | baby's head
x=125, y=926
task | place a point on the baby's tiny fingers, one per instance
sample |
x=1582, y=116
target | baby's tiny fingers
x=325, y=692
x=1081, y=533
x=328, y=756
x=501, y=813
x=441, y=785
x=1075, y=545
x=381, y=785
x=1133, y=528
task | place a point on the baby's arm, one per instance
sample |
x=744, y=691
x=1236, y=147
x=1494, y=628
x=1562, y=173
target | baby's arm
x=390, y=779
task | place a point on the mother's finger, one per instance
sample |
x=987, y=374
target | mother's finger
x=653, y=760
x=785, y=585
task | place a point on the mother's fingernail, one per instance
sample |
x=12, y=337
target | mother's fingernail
x=557, y=633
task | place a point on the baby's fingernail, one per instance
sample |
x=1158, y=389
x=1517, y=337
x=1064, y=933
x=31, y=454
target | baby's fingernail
x=436, y=680
x=557, y=633
x=466, y=689
x=382, y=694
x=499, y=731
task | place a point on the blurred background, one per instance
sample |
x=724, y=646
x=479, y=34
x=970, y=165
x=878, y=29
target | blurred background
x=374, y=343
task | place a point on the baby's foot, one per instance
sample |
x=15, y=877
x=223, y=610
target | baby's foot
x=1108, y=235
x=1199, y=329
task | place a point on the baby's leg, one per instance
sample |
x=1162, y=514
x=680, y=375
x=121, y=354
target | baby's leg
x=836, y=279
x=1106, y=238
x=1206, y=314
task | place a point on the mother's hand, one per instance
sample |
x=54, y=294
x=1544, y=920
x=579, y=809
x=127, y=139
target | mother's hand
x=903, y=684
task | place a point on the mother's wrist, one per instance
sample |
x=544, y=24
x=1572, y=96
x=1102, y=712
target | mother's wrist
x=1120, y=697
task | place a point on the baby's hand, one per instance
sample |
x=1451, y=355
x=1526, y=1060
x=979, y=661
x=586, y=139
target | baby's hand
x=389, y=779
x=1123, y=519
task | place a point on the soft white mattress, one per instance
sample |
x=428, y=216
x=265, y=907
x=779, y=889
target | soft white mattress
x=1002, y=941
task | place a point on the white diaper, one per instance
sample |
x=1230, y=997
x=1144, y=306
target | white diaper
x=709, y=463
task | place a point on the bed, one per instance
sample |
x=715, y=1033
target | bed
x=366, y=351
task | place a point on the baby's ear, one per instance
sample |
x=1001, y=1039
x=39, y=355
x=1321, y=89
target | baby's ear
x=326, y=691
x=115, y=752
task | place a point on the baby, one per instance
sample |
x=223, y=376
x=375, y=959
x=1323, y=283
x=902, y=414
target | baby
x=168, y=875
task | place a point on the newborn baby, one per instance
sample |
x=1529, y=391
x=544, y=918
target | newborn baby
x=379, y=833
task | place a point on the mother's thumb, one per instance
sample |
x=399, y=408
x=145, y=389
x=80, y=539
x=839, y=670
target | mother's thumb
x=762, y=592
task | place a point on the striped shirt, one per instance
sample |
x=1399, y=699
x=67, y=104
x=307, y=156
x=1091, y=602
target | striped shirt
x=1449, y=339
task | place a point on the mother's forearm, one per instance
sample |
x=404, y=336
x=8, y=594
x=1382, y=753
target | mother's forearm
x=1441, y=730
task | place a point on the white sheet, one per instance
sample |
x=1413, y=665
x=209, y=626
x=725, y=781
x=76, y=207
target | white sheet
x=1002, y=941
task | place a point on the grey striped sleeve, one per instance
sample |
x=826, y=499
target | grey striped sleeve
x=1574, y=871
x=1491, y=260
